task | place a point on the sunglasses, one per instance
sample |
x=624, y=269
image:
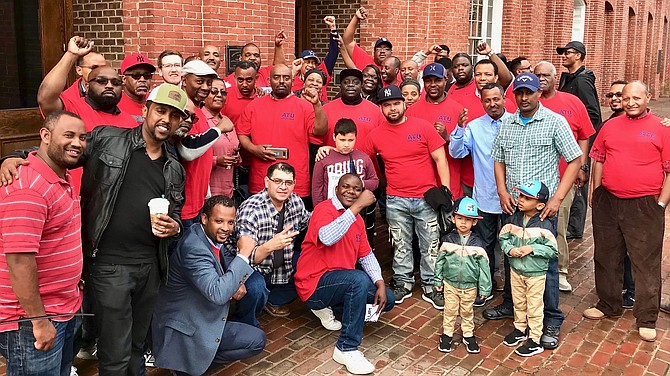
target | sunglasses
x=137, y=76
x=612, y=95
x=192, y=117
x=104, y=80
x=216, y=92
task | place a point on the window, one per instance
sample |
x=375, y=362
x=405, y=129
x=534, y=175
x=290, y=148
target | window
x=485, y=25
x=578, y=19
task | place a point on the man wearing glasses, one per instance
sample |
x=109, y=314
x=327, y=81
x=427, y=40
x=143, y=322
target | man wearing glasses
x=85, y=64
x=137, y=72
x=579, y=81
x=272, y=218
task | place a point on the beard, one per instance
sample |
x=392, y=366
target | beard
x=105, y=102
x=58, y=155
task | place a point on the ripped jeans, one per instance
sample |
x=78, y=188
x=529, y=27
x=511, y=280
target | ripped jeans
x=405, y=216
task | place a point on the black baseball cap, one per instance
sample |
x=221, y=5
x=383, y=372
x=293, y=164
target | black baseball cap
x=351, y=72
x=575, y=45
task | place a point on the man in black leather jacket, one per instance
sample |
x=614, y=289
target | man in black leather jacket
x=125, y=249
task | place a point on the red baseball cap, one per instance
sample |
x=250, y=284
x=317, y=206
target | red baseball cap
x=134, y=60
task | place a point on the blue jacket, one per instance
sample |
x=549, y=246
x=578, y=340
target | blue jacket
x=192, y=309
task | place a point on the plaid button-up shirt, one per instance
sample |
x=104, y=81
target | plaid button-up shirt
x=257, y=218
x=532, y=151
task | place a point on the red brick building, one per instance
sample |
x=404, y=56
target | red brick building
x=625, y=38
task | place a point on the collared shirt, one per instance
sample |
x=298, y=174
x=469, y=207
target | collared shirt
x=477, y=140
x=532, y=151
x=257, y=218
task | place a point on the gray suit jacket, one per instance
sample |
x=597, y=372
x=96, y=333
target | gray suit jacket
x=192, y=308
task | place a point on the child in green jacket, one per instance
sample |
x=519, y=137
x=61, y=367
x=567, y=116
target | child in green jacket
x=462, y=265
x=529, y=244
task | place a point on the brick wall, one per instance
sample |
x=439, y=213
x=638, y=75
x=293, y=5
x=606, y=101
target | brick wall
x=102, y=22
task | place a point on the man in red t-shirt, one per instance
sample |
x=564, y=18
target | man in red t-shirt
x=326, y=273
x=412, y=150
x=631, y=156
x=251, y=52
x=137, y=71
x=281, y=120
x=437, y=108
x=574, y=111
x=242, y=92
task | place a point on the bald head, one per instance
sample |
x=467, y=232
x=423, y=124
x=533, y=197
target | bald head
x=210, y=55
x=636, y=97
x=281, y=81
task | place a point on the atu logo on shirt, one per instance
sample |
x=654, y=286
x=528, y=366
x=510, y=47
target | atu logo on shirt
x=365, y=119
x=444, y=118
x=288, y=116
x=416, y=137
x=566, y=113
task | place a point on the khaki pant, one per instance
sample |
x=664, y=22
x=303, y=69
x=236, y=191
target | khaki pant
x=455, y=301
x=528, y=297
x=562, y=229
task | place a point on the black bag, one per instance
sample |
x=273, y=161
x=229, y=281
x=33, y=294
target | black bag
x=441, y=200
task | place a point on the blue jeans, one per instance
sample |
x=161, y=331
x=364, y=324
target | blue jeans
x=253, y=302
x=347, y=291
x=406, y=216
x=18, y=348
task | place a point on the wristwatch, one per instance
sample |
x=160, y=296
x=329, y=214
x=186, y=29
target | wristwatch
x=661, y=204
x=490, y=54
x=585, y=168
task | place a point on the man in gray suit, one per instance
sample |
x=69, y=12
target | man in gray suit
x=191, y=331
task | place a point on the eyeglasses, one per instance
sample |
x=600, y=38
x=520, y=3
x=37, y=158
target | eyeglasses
x=569, y=52
x=612, y=95
x=137, y=76
x=192, y=117
x=91, y=67
x=280, y=182
x=373, y=76
x=216, y=92
x=104, y=80
x=174, y=65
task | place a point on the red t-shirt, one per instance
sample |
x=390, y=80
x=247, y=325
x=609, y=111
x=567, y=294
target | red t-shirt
x=74, y=91
x=366, y=115
x=93, y=118
x=284, y=123
x=132, y=108
x=198, y=172
x=316, y=258
x=405, y=150
x=362, y=59
x=635, y=154
x=41, y=215
x=262, y=77
x=298, y=83
x=446, y=112
x=235, y=104
x=574, y=111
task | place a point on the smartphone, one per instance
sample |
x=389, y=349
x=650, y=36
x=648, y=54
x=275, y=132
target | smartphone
x=280, y=153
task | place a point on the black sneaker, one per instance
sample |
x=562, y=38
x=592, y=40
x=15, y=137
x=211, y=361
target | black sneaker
x=445, y=343
x=628, y=300
x=471, y=345
x=529, y=348
x=481, y=300
x=549, y=339
x=436, y=298
x=501, y=311
x=401, y=293
x=514, y=338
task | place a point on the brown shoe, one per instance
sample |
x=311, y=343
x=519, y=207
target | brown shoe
x=277, y=311
x=593, y=313
x=647, y=334
x=665, y=308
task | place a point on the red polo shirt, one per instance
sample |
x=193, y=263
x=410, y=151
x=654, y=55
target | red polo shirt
x=283, y=123
x=235, y=104
x=446, y=112
x=405, y=150
x=366, y=115
x=198, y=172
x=317, y=258
x=41, y=215
x=74, y=91
x=132, y=108
x=635, y=154
x=574, y=111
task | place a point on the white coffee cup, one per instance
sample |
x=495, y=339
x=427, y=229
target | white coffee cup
x=159, y=205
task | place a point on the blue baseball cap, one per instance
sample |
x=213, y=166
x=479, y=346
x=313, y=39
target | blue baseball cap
x=381, y=41
x=527, y=80
x=388, y=93
x=467, y=207
x=534, y=189
x=435, y=70
x=309, y=54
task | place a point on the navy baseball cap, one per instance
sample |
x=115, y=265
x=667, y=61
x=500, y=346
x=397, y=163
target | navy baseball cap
x=534, y=189
x=527, y=80
x=381, y=41
x=435, y=70
x=467, y=207
x=309, y=54
x=388, y=93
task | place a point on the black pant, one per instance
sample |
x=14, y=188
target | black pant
x=488, y=229
x=578, y=212
x=125, y=296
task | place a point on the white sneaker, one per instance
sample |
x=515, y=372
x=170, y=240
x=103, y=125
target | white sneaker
x=327, y=318
x=88, y=353
x=563, y=284
x=73, y=371
x=354, y=361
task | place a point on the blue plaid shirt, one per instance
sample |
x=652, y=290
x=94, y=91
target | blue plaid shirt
x=532, y=151
x=257, y=218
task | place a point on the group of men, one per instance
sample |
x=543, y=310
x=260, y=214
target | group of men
x=194, y=278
